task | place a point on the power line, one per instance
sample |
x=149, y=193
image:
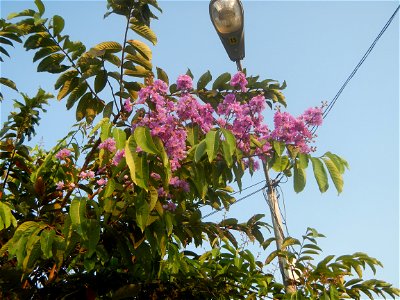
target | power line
x=253, y=185
x=237, y=201
x=333, y=101
x=327, y=109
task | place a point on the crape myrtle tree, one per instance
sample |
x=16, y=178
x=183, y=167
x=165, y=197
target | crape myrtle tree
x=110, y=211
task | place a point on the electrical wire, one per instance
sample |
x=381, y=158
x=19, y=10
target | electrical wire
x=333, y=101
x=237, y=201
x=325, y=113
x=253, y=185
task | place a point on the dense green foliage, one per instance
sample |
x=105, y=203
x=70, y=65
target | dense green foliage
x=116, y=239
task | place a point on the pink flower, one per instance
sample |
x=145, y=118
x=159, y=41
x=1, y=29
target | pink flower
x=170, y=206
x=60, y=185
x=312, y=116
x=71, y=185
x=257, y=104
x=160, y=86
x=63, y=154
x=155, y=176
x=108, y=144
x=128, y=105
x=118, y=156
x=239, y=79
x=178, y=183
x=184, y=83
x=293, y=130
x=90, y=174
x=101, y=181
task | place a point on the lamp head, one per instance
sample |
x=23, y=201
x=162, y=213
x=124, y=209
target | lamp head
x=228, y=20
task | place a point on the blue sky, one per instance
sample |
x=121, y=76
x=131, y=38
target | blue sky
x=313, y=45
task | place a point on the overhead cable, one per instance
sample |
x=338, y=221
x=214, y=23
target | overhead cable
x=333, y=101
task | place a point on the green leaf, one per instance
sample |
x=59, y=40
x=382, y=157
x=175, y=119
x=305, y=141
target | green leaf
x=142, y=48
x=334, y=173
x=24, y=13
x=39, y=40
x=44, y=52
x=9, y=83
x=130, y=152
x=142, y=171
x=66, y=76
x=77, y=213
x=221, y=81
x=153, y=197
x=162, y=75
x=144, y=140
x=303, y=160
x=50, y=63
x=112, y=59
x=105, y=125
x=120, y=138
x=164, y=159
x=339, y=162
x=76, y=94
x=142, y=211
x=32, y=253
x=6, y=216
x=320, y=174
x=200, y=151
x=230, y=139
x=4, y=51
x=109, y=189
x=204, y=80
x=137, y=71
x=139, y=60
x=299, y=179
x=193, y=134
x=40, y=6
x=280, y=163
x=212, y=144
x=93, y=234
x=58, y=24
x=100, y=81
x=68, y=86
x=228, y=147
x=279, y=147
x=108, y=109
x=111, y=47
x=144, y=31
x=189, y=73
x=46, y=243
x=289, y=241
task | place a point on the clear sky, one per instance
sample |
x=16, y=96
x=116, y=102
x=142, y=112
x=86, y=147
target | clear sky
x=313, y=45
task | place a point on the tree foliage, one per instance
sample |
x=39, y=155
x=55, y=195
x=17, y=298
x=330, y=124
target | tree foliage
x=115, y=215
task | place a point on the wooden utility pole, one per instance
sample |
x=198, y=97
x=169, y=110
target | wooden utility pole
x=272, y=200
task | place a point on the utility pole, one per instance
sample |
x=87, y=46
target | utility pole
x=272, y=200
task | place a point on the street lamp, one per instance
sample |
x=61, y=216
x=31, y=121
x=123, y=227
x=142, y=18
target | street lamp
x=227, y=17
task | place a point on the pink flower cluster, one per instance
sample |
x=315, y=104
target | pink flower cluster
x=108, y=144
x=181, y=184
x=189, y=109
x=184, y=83
x=167, y=117
x=118, y=156
x=244, y=119
x=128, y=105
x=170, y=206
x=163, y=121
x=239, y=80
x=86, y=175
x=63, y=154
x=295, y=131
